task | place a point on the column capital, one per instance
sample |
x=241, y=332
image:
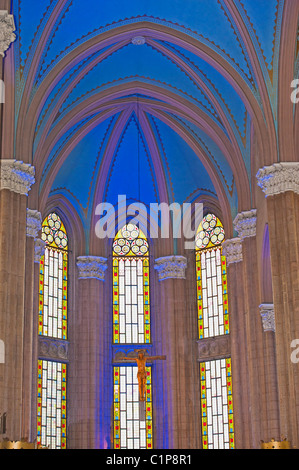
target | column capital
x=34, y=223
x=92, y=267
x=16, y=176
x=279, y=178
x=232, y=250
x=171, y=267
x=268, y=316
x=245, y=224
x=39, y=249
x=7, y=28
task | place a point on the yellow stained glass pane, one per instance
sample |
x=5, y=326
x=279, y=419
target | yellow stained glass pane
x=54, y=232
x=210, y=233
x=130, y=241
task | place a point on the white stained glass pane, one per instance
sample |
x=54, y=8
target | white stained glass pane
x=127, y=272
x=122, y=304
x=133, y=273
x=140, y=303
x=123, y=401
x=130, y=444
x=130, y=429
x=122, y=338
x=122, y=326
x=134, y=314
x=129, y=338
x=140, y=323
x=121, y=285
x=134, y=294
x=140, y=284
x=140, y=267
x=134, y=334
x=128, y=294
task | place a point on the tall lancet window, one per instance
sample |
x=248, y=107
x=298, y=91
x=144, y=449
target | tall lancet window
x=131, y=299
x=213, y=322
x=52, y=329
x=132, y=423
x=53, y=279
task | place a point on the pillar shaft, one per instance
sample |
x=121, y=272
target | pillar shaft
x=12, y=288
x=256, y=375
x=280, y=183
x=176, y=337
x=90, y=416
x=283, y=212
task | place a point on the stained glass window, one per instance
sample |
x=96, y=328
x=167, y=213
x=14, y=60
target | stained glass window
x=52, y=323
x=131, y=297
x=53, y=279
x=217, y=404
x=51, y=404
x=212, y=298
x=213, y=321
x=131, y=430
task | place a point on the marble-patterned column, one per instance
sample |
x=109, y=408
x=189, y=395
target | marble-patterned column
x=175, y=427
x=280, y=183
x=16, y=179
x=89, y=365
x=245, y=225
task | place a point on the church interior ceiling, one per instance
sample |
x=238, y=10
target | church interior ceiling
x=168, y=88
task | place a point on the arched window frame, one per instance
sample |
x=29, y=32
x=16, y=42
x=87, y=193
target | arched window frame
x=56, y=258
x=209, y=257
x=52, y=373
x=130, y=428
x=131, y=249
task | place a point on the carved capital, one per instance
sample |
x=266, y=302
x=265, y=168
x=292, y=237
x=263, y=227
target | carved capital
x=49, y=348
x=279, y=178
x=92, y=267
x=16, y=176
x=268, y=316
x=232, y=250
x=138, y=40
x=39, y=249
x=245, y=224
x=34, y=223
x=7, y=28
x=213, y=348
x=171, y=267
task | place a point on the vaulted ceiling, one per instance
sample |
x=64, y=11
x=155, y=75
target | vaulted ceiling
x=161, y=100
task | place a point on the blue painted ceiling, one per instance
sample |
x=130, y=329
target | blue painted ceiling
x=183, y=96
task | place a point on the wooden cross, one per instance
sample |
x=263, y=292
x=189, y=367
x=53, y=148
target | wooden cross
x=141, y=373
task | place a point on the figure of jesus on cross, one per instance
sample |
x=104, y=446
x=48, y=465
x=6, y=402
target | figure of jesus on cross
x=141, y=373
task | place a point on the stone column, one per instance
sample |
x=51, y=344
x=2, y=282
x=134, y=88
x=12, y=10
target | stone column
x=175, y=428
x=16, y=179
x=232, y=249
x=39, y=251
x=280, y=183
x=89, y=367
x=251, y=325
x=34, y=224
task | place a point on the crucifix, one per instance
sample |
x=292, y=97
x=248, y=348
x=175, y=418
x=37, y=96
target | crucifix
x=141, y=360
